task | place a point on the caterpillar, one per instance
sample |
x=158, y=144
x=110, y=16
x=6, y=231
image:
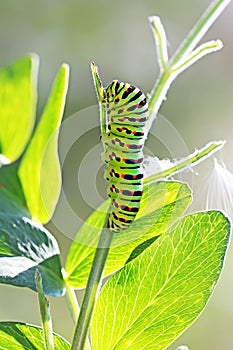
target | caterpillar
x=125, y=112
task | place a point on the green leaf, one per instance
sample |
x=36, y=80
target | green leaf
x=39, y=170
x=154, y=298
x=12, y=201
x=24, y=247
x=162, y=203
x=22, y=336
x=18, y=96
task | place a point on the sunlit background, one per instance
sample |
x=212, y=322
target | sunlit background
x=117, y=36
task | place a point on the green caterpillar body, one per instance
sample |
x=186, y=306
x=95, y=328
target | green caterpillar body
x=126, y=111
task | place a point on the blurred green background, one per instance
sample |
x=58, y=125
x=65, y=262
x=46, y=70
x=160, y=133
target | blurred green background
x=117, y=36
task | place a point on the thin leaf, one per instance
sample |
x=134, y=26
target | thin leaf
x=18, y=96
x=200, y=29
x=25, y=247
x=191, y=160
x=162, y=203
x=153, y=299
x=22, y=336
x=39, y=170
x=161, y=42
x=100, y=95
x=163, y=83
x=199, y=52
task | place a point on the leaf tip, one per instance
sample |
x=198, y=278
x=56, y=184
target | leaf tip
x=97, y=81
x=93, y=65
x=34, y=60
x=34, y=57
x=65, y=69
x=154, y=19
x=217, y=44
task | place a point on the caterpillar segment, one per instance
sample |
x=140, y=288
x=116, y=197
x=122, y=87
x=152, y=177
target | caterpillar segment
x=126, y=112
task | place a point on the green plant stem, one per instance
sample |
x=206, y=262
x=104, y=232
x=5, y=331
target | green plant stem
x=197, y=54
x=74, y=306
x=192, y=159
x=161, y=42
x=167, y=76
x=71, y=299
x=45, y=314
x=159, y=92
x=92, y=289
x=199, y=30
x=73, y=303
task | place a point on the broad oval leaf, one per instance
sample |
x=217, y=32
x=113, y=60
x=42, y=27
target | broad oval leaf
x=162, y=203
x=154, y=298
x=24, y=247
x=21, y=336
x=18, y=96
x=39, y=171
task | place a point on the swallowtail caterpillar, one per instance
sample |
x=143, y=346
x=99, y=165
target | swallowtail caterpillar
x=124, y=113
